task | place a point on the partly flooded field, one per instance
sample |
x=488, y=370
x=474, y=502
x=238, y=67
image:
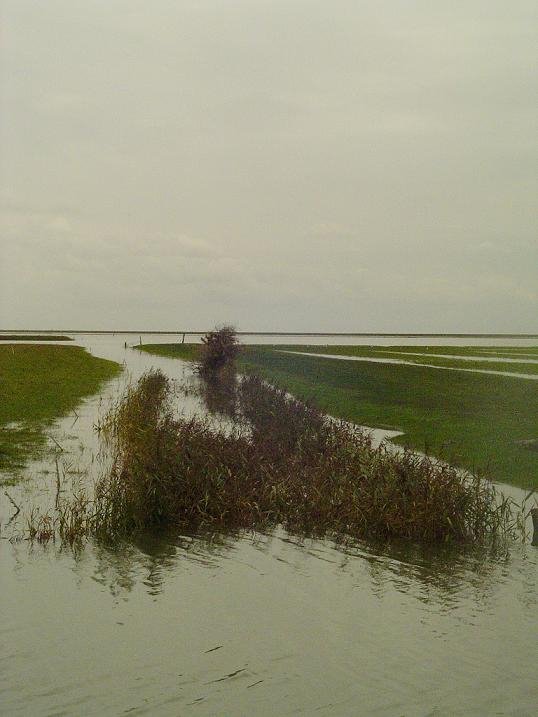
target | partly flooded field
x=255, y=624
x=403, y=362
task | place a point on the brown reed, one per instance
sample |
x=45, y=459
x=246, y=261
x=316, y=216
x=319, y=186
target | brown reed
x=292, y=466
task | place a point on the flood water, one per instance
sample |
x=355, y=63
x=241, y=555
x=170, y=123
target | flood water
x=255, y=624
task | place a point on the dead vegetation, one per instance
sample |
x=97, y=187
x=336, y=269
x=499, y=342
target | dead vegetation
x=284, y=463
x=218, y=351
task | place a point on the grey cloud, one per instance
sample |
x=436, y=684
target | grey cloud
x=284, y=164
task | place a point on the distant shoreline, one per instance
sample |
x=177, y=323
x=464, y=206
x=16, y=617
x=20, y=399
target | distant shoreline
x=28, y=336
x=275, y=333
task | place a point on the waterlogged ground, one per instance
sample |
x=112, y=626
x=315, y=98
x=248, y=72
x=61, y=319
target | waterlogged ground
x=253, y=624
x=528, y=368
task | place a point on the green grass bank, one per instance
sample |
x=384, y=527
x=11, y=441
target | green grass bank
x=38, y=383
x=477, y=421
x=33, y=337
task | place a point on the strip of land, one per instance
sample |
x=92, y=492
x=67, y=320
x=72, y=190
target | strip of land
x=38, y=383
x=33, y=337
x=477, y=421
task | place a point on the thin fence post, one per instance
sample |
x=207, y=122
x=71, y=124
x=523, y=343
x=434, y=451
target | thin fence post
x=534, y=513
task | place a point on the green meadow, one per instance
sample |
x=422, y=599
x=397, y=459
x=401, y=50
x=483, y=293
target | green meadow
x=481, y=422
x=37, y=384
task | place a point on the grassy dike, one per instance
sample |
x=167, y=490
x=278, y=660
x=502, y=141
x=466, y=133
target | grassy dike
x=475, y=421
x=37, y=384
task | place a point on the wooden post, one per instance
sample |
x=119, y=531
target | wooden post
x=183, y=339
x=534, y=513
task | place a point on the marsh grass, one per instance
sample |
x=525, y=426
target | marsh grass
x=283, y=463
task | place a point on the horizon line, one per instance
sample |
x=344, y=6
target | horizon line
x=410, y=334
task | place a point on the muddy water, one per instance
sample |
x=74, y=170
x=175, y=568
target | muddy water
x=256, y=624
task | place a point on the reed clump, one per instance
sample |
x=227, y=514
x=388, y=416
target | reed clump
x=283, y=462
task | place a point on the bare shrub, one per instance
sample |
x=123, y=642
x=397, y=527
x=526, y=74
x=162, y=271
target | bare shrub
x=219, y=350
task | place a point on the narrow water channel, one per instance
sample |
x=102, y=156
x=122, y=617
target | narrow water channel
x=254, y=624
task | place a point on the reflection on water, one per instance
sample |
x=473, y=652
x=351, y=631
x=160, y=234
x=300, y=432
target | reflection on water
x=257, y=624
x=166, y=623
x=219, y=395
x=437, y=574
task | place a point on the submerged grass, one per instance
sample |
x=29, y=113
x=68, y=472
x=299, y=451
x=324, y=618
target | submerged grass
x=284, y=463
x=37, y=384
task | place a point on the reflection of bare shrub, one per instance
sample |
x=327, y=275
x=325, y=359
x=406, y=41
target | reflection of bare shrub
x=219, y=393
x=296, y=469
x=219, y=349
x=278, y=421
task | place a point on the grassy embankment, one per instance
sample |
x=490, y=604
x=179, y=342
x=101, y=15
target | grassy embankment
x=33, y=337
x=476, y=421
x=37, y=384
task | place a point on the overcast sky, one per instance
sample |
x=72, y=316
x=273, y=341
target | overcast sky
x=335, y=165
